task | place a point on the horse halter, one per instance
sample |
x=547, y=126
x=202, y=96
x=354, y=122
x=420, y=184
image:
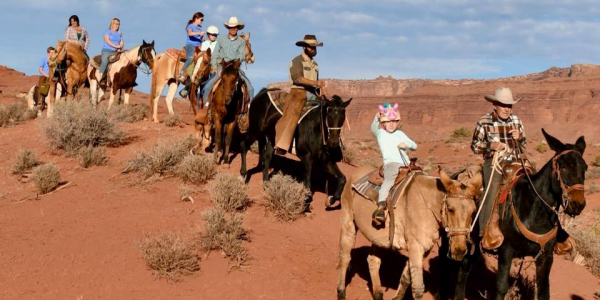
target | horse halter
x=326, y=123
x=565, y=189
x=453, y=231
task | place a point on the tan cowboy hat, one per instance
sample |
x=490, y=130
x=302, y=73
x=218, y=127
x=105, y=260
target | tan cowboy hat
x=503, y=95
x=233, y=22
x=310, y=40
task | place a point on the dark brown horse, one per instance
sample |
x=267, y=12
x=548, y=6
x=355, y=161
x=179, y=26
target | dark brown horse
x=227, y=103
x=70, y=62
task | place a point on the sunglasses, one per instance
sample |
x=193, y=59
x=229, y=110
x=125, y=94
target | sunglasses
x=212, y=34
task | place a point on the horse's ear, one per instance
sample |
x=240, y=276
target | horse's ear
x=580, y=145
x=476, y=182
x=208, y=51
x=248, y=36
x=223, y=63
x=144, y=42
x=152, y=43
x=236, y=64
x=553, y=142
x=446, y=181
x=347, y=103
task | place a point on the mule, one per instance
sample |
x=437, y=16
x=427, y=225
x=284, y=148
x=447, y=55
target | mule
x=121, y=73
x=427, y=205
x=529, y=218
x=317, y=138
x=69, y=61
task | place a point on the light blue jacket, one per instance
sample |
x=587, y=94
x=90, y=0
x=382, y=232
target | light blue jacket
x=388, y=144
x=228, y=50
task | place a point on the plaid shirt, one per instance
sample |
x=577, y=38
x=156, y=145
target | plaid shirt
x=71, y=36
x=490, y=128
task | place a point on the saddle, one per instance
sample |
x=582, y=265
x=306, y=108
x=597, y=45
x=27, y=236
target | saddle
x=278, y=98
x=177, y=54
x=97, y=60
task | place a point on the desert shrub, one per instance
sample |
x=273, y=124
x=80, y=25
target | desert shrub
x=229, y=192
x=523, y=288
x=350, y=154
x=587, y=239
x=169, y=255
x=25, y=161
x=460, y=133
x=429, y=164
x=172, y=121
x=541, y=147
x=596, y=161
x=285, y=197
x=15, y=113
x=592, y=188
x=254, y=148
x=128, y=113
x=225, y=233
x=186, y=193
x=91, y=156
x=162, y=158
x=75, y=125
x=592, y=173
x=196, y=169
x=46, y=178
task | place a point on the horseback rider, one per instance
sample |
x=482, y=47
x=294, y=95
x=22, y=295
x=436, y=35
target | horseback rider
x=195, y=36
x=230, y=47
x=76, y=33
x=304, y=76
x=212, y=32
x=44, y=78
x=393, y=144
x=113, y=41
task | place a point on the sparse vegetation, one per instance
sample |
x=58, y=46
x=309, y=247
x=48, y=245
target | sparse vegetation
x=592, y=173
x=229, y=192
x=523, y=288
x=46, y=178
x=461, y=133
x=541, y=147
x=350, y=154
x=285, y=197
x=91, y=156
x=162, y=158
x=75, y=125
x=128, y=113
x=587, y=239
x=15, y=113
x=25, y=161
x=225, y=233
x=254, y=148
x=429, y=164
x=592, y=188
x=596, y=161
x=172, y=121
x=169, y=255
x=197, y=169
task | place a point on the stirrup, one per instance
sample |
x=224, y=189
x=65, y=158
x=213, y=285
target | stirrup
x=379, y=215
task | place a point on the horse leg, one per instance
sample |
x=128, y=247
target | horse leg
x=463, y=274
x=404, y=282
x=126, y=96
x=307, y=160
x=50, y=99
x=218, y=131
x=415, y=259
x=228, y=138
x=333, y=170
x=113, y=93
x=159, y=86
x=170, y=96
x=543, y=266
x=505, y=256
x=347, y=241
x=243, y=171
x=94, y=91
x=266, y=156
x=374, y=261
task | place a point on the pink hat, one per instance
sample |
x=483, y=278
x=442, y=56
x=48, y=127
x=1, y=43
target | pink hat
x=389, y=112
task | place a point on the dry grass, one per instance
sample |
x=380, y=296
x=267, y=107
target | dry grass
x=524, y=288
x=91, y=156
x=46, y=178
x=596, y=161
x=592, y=188
x=225, y=233
x=429, y=164
x=15, y=113
x=592, y=173
x=350, y=154
x=285, y=197
x=75, y=125
x=254, y=148
x=461, y=133
x=25, y=161
x=541, y=147
x=587, y=238
x=169, y=255
x=197, y=169
x=229, y=192
x=162, y=159
x=172, y=121
x=128, y=113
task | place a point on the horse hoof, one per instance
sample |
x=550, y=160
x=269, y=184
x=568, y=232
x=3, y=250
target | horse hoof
x=378, y=296
x=330, y=201
x=341, y=295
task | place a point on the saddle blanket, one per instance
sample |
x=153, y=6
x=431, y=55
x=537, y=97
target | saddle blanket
x=97, y=60
x=278, y=97
x=371, y=191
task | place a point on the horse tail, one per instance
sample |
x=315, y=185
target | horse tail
x=153, y=84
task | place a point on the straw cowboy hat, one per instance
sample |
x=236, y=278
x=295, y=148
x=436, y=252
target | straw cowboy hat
x=310, y=40
x=233, y=22
x=503, y=95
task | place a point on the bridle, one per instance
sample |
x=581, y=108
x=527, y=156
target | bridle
x=144, y=57
x=325, y=123
x=63, y=52
x=235, y=85
x=454, y=231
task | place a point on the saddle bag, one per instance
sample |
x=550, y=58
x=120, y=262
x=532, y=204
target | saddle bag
x=44, y=89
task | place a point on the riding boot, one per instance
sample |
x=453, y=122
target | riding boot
x=564, y=243
x=379, y=215
x=184, y=92
x=492, y=236
x=102, y=82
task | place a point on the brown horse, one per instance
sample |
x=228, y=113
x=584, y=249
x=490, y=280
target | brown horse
x=200, y=76
x=428, y=204
x=70, y=62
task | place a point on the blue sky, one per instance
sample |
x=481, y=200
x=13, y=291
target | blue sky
x=363, y=39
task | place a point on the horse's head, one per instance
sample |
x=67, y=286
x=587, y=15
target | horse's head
x=334, y=117
x=248, y=55
x=202, y=69
x=230, y=77
x=457, y=211
x=568, y=173
x=59, y=55
x=146, y=54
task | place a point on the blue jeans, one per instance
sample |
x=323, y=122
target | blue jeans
x=105, y=54
x=189, y=52
x=211, y=82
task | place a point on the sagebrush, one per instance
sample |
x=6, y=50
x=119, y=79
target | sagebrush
x=169, y=255
x=197, y=169
x=46, y=178
x=15, y=113
x=350, y=154
x=587, y=238
x=596, y=161
x=285, y=197
x=128, y=113
x=172, y=121
x=162, y=158
x=225, y=232
x=460, y=133
x=229, y=192
x=91, y=156
x=541, y=147
x=75, y=125
x=24, y=162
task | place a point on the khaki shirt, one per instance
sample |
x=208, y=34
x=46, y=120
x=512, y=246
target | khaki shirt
x=303, y=66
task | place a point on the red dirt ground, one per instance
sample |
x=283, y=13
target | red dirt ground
x=81, y=242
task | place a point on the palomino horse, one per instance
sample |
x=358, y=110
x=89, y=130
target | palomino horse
x=70, y=62
x=529, y=220
x=428, y=204
x=122, y=73
x=317, y=139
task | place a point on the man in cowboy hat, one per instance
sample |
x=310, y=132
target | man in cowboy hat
x=230, y=47
x=304, y=76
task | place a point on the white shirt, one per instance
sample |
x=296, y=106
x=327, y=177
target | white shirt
x=208, y=44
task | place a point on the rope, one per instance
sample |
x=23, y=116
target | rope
x=495, y=168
